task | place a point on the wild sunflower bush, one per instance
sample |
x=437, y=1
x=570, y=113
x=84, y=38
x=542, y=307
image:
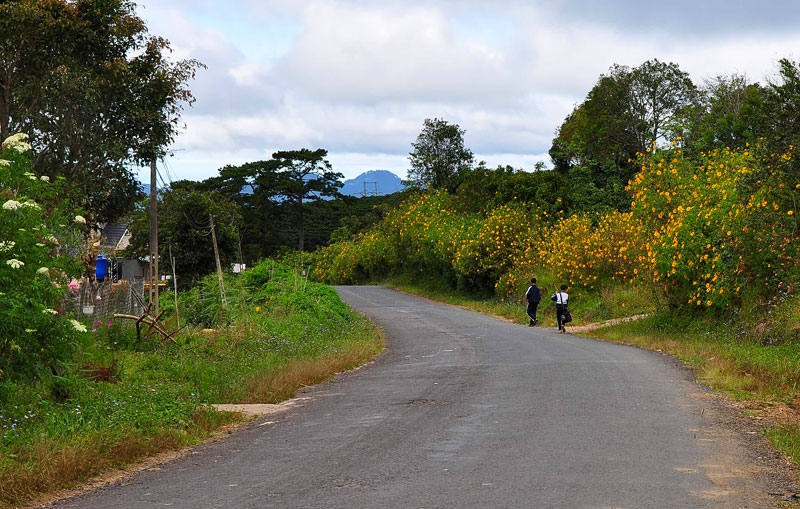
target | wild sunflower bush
x=700, y=231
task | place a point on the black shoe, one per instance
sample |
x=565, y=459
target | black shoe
x=535, y=322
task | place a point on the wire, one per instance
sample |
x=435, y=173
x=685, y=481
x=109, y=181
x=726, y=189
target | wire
x=168, y=172
x=163, y=183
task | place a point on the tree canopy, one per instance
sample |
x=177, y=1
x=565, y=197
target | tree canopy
x=95, y=92
x=305, y=176
x=274, y=195
x=439, y=154
x=184, y=224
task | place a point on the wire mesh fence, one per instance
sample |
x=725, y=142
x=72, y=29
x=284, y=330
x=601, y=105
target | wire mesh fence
x=100, y=300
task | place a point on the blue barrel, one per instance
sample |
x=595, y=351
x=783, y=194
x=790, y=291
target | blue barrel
x=101, y=270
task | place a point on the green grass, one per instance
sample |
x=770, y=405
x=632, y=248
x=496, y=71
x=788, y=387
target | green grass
x=114, y=405
x=786, y=439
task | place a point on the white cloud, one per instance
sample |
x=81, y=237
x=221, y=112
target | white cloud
x=249, y=74
x=374, y=54
x=359, y=77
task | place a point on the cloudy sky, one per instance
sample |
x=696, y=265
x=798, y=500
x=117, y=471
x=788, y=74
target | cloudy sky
x=359, y=77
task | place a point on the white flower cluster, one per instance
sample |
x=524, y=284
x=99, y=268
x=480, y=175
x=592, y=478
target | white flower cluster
x=80, y=219
x=16, y=142
x=14, y=263
x=7, y=245
x=43, y=270
x=15, y=205
x=5, y=163
x=78, y=326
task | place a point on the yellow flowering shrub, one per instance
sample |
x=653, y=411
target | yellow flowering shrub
x=699, y=230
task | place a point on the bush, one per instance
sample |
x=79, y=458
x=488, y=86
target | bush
x=700, y=232
x=38, y=256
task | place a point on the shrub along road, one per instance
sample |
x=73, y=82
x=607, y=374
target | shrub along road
x=465, y=410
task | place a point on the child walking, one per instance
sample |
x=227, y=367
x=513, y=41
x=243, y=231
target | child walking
x=560, y=298
x=533, y=296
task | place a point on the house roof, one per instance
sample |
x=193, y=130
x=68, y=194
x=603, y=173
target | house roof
x=115, y=236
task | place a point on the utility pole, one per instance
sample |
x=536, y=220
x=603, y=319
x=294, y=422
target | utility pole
x=175, y=285
x=153, y=239
x=219, y=265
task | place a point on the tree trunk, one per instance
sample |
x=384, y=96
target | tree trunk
x=302, y=224
x=5, y=104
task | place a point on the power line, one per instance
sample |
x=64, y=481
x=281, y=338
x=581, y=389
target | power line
x=163, y=183
x=167, y=170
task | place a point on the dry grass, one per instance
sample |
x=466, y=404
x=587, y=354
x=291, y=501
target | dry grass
x=283, y=384
x=48, y=466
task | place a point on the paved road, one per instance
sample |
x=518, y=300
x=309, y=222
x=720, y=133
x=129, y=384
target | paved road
x=469, y=411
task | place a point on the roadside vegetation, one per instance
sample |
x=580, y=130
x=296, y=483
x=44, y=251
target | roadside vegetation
x=117, y=399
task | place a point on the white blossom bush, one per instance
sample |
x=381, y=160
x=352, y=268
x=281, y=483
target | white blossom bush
x=38, y=257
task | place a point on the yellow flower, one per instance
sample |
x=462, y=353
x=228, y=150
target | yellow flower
x=258, y=309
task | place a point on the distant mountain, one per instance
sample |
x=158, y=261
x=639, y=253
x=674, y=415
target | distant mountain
x=370, y=183
x=373, y=182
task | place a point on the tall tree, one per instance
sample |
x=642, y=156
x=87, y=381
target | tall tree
x=253, y=187
x=780, y=118
x=727, y=114
x=94, y=91
x=439, y=154
x=601, y=132
x=659, y=92
x=595, y=147
x=304, y=176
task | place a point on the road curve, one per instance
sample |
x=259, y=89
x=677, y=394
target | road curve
x=465, y=410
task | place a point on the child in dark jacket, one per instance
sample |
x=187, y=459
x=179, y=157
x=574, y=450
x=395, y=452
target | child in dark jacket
x=533, y=296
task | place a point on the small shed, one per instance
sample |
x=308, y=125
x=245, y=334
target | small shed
x=115, y=238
